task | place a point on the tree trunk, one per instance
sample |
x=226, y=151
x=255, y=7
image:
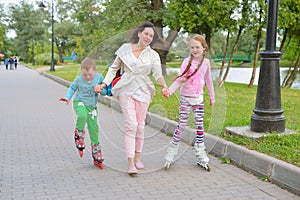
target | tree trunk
x=283, y=40
x=224, y=57
x=27, y=55
x=293, y=75
x=288, y=74
x=231, y=56
x=289, y=71
x=250, y=85
x=283, y=47
x=208, y=37
x=60, y=54
x=163, y=49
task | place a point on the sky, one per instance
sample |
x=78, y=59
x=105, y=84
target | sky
x=10, y=1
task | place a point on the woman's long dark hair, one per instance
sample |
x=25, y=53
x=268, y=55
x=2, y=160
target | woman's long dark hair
x=135, y=38
x=201, y=39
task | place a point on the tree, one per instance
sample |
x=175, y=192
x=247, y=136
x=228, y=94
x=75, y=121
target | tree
x=259, y=20
x=228, y=25
x=242, y=24
x=2, y=29
x=29, y=27
x=199, y=15
x=66, y=42
x=288, y=23
x=120, y=20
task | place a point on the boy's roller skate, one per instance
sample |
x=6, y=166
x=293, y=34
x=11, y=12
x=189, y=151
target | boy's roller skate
x=170, y=155
x=202, y=158
x=79, y=141
x=97, y=155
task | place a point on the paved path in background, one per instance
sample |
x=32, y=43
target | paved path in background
x=39, y=159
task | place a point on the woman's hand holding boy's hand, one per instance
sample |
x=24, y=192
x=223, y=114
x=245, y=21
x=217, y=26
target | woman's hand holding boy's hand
x=65, y=100
x=99, y=88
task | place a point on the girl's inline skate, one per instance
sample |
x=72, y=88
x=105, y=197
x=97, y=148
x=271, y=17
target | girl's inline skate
x=202, y=158
x=79, y=141
x=97, y=155
x=170, y=155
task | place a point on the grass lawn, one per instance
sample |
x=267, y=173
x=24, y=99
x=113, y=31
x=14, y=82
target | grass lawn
x=234, y=105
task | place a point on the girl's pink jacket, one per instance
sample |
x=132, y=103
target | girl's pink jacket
x=194, y=86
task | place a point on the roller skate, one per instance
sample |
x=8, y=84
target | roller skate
x=170, y=155
x=202, y=158
x=79, y=141
x=97, y=155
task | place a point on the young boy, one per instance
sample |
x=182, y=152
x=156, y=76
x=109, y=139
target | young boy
x=85, y=106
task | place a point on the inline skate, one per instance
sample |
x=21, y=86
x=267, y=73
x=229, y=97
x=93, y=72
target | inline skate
x=97, y=155
x=202, y=158
x=170, y=155
x=79, y=141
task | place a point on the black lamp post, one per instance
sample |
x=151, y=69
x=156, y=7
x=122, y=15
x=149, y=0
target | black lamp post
x=267, y=115
x=42, y=5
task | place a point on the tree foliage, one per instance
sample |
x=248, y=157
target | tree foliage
x=86, y=25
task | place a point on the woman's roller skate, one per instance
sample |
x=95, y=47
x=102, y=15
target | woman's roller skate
x=97, y=155
x=202, y=158
x=79, y=141
x=170, y=155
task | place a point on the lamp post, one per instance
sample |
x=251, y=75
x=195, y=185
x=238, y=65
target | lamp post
x=267, y=115
x=42, y=5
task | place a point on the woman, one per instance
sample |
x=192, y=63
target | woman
x=135, y=89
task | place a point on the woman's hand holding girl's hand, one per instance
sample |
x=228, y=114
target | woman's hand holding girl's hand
x=165, y=92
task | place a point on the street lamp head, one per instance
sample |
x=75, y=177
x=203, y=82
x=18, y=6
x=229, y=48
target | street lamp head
x=42, y=5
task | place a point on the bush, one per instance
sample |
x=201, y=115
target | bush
x=45, y=59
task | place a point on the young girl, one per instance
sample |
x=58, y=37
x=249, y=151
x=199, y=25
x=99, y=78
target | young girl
x=194, y=75
x=85, y=106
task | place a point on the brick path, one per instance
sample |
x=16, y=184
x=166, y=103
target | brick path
x=39, y=159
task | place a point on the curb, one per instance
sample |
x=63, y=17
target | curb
x=281, y=173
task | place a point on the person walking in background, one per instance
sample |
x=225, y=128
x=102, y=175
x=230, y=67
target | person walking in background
x=85, y=106
x=11, y=63
x=16, y=62
x=6, y=62
x=135, y=89
x=195, y=73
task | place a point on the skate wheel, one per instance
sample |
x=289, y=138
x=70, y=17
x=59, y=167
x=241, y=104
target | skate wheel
x=167, y=165
x=80, y=153
x=208, y=167
x=99, y=165
x=204, y=166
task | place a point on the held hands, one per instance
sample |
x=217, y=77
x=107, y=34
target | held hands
x=65, y=100
x=165, y=92
x=99, y=88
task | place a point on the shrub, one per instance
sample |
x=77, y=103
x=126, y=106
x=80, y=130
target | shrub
x=45, y=59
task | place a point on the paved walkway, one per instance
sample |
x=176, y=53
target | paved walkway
x=39, y=159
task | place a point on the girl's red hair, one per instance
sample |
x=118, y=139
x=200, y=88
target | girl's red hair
x=201, y=39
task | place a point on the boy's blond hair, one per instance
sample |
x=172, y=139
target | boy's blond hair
x=87, y=64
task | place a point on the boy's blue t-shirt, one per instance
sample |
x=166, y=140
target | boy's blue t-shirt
x=84, y=90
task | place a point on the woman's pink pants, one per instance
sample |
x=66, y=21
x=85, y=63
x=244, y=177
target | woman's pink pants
x=134, y=114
